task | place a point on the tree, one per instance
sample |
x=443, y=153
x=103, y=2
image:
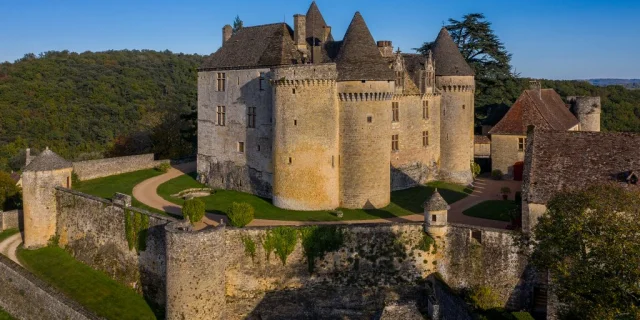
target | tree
x=589, y=242
x=237, y=24
x=193, y=210
x=487, y=55
x=9, y=193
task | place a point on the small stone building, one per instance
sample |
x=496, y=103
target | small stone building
x=315, y=123
x=564, y=160
x=544, y=109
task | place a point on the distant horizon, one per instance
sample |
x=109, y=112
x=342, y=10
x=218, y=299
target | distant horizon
x=572, y=40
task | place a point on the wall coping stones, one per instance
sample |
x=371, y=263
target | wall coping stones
x=468, y=226
x=341, y=225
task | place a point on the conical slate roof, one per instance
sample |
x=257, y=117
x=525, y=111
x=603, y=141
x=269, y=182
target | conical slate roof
x=448, y=59
x=315, y=23
x=436, y=202
x=359, y=57
x=48, y=161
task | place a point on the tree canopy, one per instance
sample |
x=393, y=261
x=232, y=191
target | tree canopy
x=589, y=242
x=237, y=24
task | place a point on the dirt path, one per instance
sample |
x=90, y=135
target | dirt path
x=9, y=246
x=146, y=192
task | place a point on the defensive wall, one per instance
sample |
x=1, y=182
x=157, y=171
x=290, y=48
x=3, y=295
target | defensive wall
x=92, y=169
x=10, y=220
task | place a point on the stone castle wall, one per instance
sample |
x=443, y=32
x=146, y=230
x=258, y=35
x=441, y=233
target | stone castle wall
x=93, y=230
x=11, y=220
x=505, y=153
x=365, y=176
x=306, y=138
x=221, y=164
x=93, y=169
x=587, y=110
x=414, y=163
x=26, y=297
x=456, y=133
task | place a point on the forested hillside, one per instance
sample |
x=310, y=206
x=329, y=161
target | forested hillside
x=96, y=104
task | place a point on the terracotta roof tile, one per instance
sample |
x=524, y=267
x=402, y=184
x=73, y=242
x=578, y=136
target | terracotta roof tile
x=477, y=139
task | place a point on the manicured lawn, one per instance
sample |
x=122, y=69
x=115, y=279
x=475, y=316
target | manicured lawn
x=492, y=209
x=91, y=288
x=7, y=233
x=5, y=316
x=403, y=202
x=123, y=183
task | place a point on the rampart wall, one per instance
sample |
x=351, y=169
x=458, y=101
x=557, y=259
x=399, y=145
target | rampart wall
x=92, y=169
x=95, y=232
x=10, y=220
x=26, y=297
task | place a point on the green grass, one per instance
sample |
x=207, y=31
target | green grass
x=123, y=183
x=92, y=289
x=492, y=209
x=5, y=316
x=403, y=202
x=7, y=233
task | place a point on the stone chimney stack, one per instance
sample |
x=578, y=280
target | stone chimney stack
x=536, y=86
x=386, y=48
x=227, y=31
x=327, y=32
x=300, y=31
x=27, y=157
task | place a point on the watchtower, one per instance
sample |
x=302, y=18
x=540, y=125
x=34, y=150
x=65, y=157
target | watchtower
x=435, y=215
x=587, y=110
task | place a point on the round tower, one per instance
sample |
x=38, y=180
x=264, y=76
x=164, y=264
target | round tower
x=435, y=215
x=39, y=180
x=306, y=137
x=195, y=272
x=365, y=90
x=455, y=80
x=587, y=110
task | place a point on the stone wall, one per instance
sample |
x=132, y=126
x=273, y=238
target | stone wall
x=26, y=297
x=450, y=305
x=93, y=230
x=11, y=220
x=505, y=153
x=92, y=169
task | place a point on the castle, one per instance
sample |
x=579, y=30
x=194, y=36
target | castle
x=315, y=123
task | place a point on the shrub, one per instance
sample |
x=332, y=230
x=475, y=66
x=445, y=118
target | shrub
x=163, y=167
x=193, y=209
x=505, y=190
x=475, y=169
x=240, y=214
x=496, y=174
x=8, y=190
x=484, y=298
x=249, y=247
x=284, y=241
x=522, y=315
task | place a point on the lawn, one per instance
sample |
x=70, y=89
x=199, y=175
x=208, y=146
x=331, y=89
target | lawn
x=5, y=316
x=92, y=289
x=403, y=202
x=6, y=234
x=123, y=183
x=492, y=209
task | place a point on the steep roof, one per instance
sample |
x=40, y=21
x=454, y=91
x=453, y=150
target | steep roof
x=557, y=160
x=448, y=59
x=259, y=46
x=413, y=63
x=359, y=57
x=48, y=161
x=542, y=108
x=315, y=23
x=436, y=202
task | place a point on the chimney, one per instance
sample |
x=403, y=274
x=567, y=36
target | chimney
x=386, y=48
x=327, y=32
x=27, y=157
x=300, y=31
x=535, y=85
x=227, y=31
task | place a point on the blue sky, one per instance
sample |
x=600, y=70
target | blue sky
x=561, y=39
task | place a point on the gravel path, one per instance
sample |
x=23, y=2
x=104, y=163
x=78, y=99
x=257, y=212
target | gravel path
x=9, y=246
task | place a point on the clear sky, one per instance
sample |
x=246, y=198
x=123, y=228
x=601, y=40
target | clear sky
x=553, y=39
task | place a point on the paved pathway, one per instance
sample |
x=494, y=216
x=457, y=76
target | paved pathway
x=9, y=246
x=485, y=189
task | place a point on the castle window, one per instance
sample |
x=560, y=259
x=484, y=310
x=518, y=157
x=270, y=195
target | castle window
x=425, y=138
x=369, y=119
x=294, y=91
x=477, y=235
x=394, y=143
x=399, y=78
x=433, y=218
x=222, y=115
x=521, y=143
x=295, y=122
x=251, y=117
x=290, y=160
x=261, y=81
x=463, y=107
x=258, y=147
x=425, y=109
x=241, y=147
x=221, y=81
x=333, y=163
x=395, y=109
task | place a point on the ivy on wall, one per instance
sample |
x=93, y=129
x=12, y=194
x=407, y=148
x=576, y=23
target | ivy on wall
x=136, y=227
x=281, y=241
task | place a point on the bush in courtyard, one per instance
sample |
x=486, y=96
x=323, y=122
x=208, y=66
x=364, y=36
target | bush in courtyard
x=163, y=167
x=484, y=298
x=193, y=209
x=475, y=169
x=240, y=214
x=496, y=174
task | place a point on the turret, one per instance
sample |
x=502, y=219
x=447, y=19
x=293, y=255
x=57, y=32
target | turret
x=454, y=78
x=39, y=180
x=317, y=33
x=365, y=90
x=435, y=215
x=587, y=110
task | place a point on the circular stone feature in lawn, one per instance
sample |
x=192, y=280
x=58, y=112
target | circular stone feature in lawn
x=193, y=193
x=501, y=210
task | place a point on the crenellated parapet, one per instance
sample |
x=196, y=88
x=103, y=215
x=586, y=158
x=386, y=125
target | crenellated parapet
x=303, y=82
x=423, y=96
x=365, y=96
x=457, y=88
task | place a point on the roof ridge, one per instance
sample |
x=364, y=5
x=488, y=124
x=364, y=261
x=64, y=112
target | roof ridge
x=535, y=104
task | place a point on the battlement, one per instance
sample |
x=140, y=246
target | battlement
x=457, y=88
x=365, y=96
